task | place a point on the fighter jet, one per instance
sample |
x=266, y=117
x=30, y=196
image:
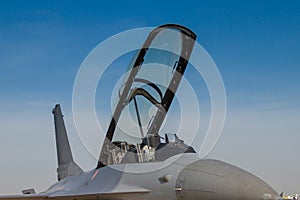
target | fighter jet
x=138, y=161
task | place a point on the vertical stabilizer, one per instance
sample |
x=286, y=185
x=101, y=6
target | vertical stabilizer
x=66, y=165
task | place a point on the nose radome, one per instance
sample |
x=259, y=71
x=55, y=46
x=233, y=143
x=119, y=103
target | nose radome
x=212, y=179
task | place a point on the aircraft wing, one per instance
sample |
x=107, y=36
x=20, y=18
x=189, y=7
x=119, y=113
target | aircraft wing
x=124, y=194
x=118, y=193
x=23, y=197
x=106, y=196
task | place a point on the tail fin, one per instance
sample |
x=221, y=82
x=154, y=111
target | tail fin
x=66, y=165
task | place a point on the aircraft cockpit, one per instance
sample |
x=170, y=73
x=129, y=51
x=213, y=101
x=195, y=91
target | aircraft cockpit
x=145, y=97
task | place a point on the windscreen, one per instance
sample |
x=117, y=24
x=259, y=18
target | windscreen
x=145, y=96
x=149, y=86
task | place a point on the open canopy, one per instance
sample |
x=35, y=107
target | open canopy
x=145, y=96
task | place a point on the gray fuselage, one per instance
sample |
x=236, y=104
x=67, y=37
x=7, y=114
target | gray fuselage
x=183, y=176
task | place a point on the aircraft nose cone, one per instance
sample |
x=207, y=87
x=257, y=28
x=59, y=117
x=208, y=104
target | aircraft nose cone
x=211, y=179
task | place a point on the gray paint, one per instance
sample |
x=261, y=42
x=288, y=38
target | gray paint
x=66, y=165
x=190, y=178
x=212, y=179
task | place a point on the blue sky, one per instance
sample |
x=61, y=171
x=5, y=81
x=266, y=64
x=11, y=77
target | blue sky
x=255, y=45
